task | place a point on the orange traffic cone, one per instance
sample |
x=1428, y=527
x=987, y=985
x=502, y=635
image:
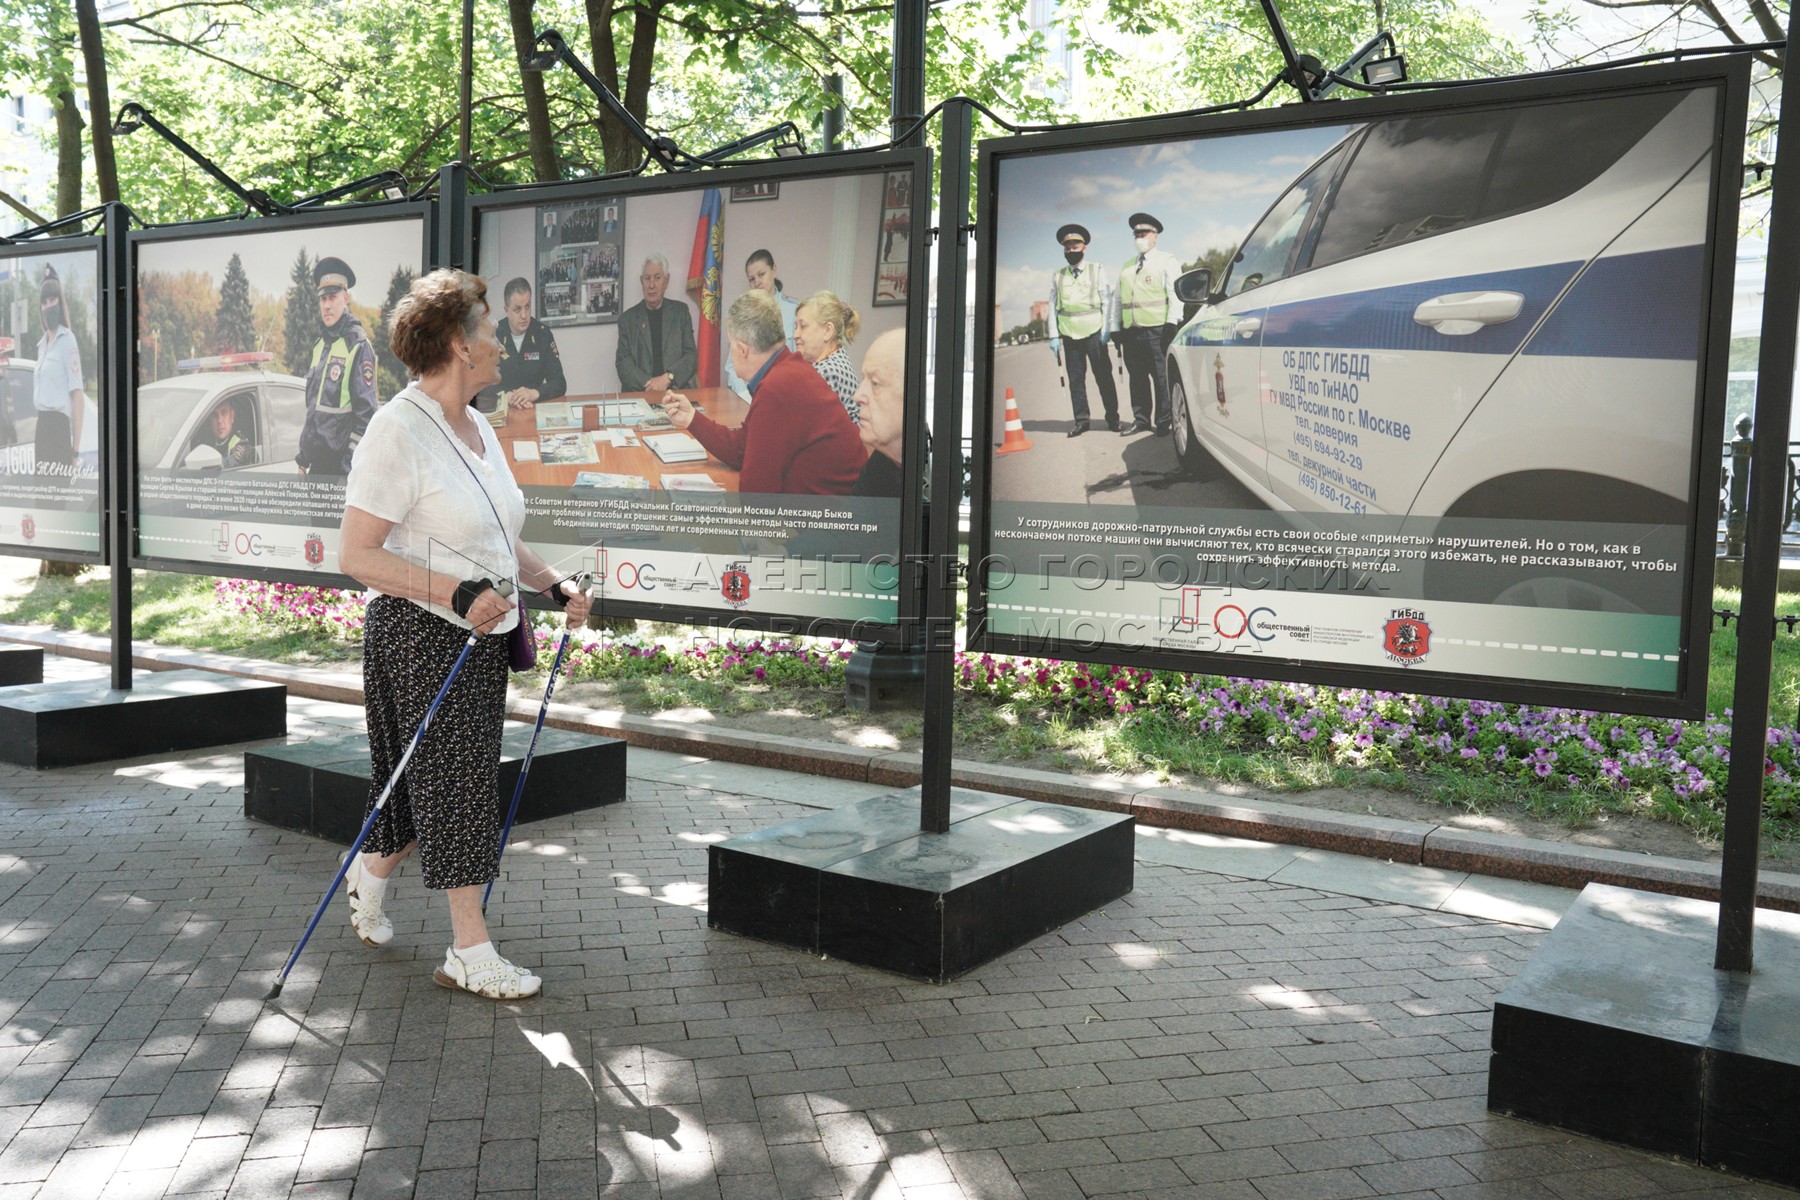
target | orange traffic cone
x=1015, y=428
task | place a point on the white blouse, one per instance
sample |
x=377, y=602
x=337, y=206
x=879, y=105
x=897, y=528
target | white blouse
x=411, y=468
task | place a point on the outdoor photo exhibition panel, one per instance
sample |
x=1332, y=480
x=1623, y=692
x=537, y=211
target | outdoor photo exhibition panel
x=50, y=414
x=1433, y=389
x=262, y=351
x=787, y=506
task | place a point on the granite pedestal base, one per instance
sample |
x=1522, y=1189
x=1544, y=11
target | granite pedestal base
x=84, y=721
x=881, y=678
x=1619, y=1027
x=321, y=786
x=864, y=885
x=21, y=664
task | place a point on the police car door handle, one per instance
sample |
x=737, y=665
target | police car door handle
x=1467, y=312
x=1247, y=326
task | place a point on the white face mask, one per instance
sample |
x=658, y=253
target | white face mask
x=1142, y=244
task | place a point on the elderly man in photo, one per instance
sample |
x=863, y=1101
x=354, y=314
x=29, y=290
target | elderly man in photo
x=656, y=336
x=530, y=365
x=881, y=415
x=797, y=439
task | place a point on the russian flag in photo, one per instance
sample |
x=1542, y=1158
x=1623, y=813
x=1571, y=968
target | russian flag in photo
x=703, y=281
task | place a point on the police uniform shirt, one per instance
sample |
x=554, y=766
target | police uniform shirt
x=531, y=361
x=340, y=398
x=1082, y=290
x=58, y=372
x=1141, y=279
x=234, y=450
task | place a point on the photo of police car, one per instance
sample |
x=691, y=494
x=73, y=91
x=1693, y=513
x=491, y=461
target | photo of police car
x=1480, y=314
x=18, y=413
x=176, y=430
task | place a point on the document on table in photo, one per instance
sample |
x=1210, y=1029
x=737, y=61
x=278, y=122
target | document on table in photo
x=606, y=479
x=525, y=452
x=676, y=448
x=618, y=438
x=691, y=483
x=623, y=410
x=566, y=448
x=557, y=415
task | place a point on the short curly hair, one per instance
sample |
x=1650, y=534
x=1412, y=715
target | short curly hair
x=440, y=306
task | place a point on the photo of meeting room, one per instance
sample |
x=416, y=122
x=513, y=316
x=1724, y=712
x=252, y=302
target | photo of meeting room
x=737, y=354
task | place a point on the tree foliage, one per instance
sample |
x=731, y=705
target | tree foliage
x=294, y=96
x=234, y=329
x=393, y=372
x=300, y=328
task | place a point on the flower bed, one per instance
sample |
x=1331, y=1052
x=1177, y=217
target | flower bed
x=1674, y=770
x=295, y=608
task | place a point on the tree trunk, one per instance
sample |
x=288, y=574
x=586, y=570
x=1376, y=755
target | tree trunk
x=537, y=105
x=68, y=152
x=68, y=201
x=620, y=148
x=93, y=55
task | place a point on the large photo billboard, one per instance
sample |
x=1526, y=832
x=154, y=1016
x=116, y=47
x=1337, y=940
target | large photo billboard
x=1422, y=395
x=50, y=413
x=262, y=351
x=767, y=480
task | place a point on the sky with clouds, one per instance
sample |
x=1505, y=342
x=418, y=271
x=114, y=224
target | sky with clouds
x=1207, y=192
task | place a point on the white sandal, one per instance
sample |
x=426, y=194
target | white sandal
x=367, y=919
x=494, y=978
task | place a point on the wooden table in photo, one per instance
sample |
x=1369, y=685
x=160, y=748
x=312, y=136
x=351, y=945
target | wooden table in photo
x=721, y=404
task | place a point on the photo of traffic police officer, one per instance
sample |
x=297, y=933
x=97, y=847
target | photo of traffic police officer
x=257, y=372
x=1149, y=312
x=49, y=400
x=340, y=384
x=530, y=364
x=1084, y=333
x=1084, y=320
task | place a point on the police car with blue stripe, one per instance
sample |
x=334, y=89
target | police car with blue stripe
x=1490, y=313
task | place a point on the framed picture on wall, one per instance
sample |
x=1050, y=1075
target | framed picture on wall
x=893, y=248
x=579, y=257
x=768, y=190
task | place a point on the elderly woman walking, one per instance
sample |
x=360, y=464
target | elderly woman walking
x=431, y=523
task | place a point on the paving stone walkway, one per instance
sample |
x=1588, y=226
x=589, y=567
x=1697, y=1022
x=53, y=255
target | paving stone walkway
x=1209, y=1035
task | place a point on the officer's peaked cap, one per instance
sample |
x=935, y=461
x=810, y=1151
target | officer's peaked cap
x=1079, y=231
x=1137, y=219
x=333, y=271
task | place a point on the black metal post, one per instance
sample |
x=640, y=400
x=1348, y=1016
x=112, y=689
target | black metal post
x=1762, y=556
x=909, y=68
x=888, y=674
x=118, y=507
x=449, y=246
x=833, y=125
x=941, y=549
x=834, y=115
x=467, y=91
x=1284, y=43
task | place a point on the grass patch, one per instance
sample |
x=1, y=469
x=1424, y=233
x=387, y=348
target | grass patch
x=1570, y=768
x=168, y=609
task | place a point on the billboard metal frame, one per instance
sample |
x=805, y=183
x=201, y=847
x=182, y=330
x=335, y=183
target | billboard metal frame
x=425, y=210
x=1689, y=700
x=103, y=350
x=919, y=296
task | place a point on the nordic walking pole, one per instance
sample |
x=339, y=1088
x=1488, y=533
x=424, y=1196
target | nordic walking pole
x=504, y=588
x=583, y=583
